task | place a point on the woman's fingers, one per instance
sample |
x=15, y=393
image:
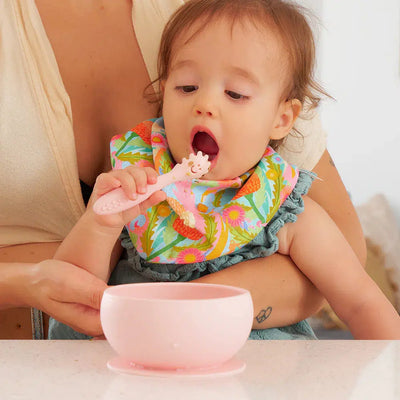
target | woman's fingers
x=80, y=318
x=69, y=294
x=101, y=337
x=65, y=282
x=81, y=287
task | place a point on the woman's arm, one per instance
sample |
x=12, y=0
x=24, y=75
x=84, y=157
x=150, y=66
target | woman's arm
x=29, y=279
x=322, y=253
x=282, y=295
x=332, y=196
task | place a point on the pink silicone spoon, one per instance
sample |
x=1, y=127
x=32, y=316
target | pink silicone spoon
x=117, y=201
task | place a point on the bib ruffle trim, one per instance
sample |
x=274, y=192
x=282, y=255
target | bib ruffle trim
x=265, y=244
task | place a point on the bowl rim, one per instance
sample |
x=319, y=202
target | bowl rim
x=236, y=291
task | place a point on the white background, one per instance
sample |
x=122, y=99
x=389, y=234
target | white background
x=359, y=65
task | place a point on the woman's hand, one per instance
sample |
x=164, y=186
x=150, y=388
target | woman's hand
x=67, y=293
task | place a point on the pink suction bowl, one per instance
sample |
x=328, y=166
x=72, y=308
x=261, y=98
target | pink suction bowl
x=169, y=326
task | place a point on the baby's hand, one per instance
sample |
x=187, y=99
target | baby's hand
x=133, y=181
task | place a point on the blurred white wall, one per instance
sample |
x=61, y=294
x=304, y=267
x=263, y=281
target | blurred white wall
x=359, y=65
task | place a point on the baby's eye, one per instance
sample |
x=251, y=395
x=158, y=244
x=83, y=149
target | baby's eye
x=187, y=88
x=235, y=95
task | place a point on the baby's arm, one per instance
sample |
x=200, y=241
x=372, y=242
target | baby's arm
x=90, y=243
x=321, y=252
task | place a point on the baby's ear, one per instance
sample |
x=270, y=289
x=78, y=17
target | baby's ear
x=162, y=85
x=286, y=116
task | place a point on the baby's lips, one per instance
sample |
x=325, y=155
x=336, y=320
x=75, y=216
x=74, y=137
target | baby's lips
x=202, y=139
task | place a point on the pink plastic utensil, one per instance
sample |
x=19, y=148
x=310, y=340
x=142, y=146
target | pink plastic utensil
x=116, y=200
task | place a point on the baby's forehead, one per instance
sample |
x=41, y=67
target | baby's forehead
x=190, y=31
x=233, y=29
x=226, y=32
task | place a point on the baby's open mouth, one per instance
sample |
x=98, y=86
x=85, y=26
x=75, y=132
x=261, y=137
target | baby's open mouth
x=204, y=142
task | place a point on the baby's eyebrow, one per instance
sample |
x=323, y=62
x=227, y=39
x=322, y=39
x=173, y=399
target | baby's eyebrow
x=244, y=73
x=182, y=63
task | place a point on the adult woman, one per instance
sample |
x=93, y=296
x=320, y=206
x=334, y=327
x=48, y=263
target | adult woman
x=97, y=73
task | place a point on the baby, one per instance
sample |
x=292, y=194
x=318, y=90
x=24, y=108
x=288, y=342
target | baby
x=234, y=76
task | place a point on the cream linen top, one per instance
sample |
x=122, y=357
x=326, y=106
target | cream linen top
x=40, y=197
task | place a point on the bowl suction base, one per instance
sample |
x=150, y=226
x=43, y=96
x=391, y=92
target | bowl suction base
x=230, y=367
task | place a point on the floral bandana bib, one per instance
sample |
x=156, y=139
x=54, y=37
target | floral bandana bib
x=201, y=219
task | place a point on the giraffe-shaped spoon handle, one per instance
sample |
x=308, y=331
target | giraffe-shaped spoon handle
x=116, y=201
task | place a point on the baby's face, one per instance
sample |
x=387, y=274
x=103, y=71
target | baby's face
x=223, y=96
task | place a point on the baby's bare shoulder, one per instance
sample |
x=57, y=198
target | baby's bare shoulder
x=288, y=232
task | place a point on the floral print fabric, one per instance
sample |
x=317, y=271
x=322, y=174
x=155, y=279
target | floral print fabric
x=201, y=219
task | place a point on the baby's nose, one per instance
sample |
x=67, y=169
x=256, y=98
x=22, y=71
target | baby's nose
x=203, y=110
x=204, y=107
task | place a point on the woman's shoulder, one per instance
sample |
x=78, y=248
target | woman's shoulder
x=149, y=19
x=305, y=146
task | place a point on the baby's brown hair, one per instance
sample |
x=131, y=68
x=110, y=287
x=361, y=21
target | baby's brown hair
x=287, y=19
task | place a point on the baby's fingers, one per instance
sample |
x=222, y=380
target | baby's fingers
x=133, y=181
x=154, y=199
x=151, y=175
x=106, y=182
x=141, y=178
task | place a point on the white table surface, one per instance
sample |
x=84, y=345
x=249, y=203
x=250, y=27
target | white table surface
x=296, y=370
